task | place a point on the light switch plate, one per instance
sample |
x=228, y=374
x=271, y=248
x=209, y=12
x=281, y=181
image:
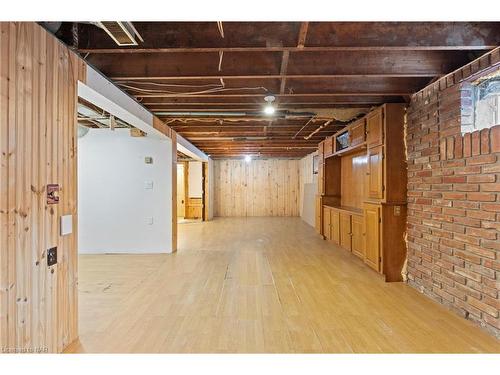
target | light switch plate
x=66, y=225
x=148, y=185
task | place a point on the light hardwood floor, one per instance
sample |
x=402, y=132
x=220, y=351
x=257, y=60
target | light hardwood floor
x=258, y=285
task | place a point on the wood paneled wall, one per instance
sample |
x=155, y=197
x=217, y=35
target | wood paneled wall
x=38, y=96
x=259, y=188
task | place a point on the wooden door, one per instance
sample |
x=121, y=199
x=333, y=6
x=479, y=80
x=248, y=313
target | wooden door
x=375, y=172
x=205, y=191
x=372, y=236
x=181, y=195
x=358, y=236
x=335, y=226
x=345, y=230
x=326, y=223
x=375, y=128
x=357, y=133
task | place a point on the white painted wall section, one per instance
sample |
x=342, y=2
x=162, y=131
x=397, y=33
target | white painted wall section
x=195, y=179
x=124, y=204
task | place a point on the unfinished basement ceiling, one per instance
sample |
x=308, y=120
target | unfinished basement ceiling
x=208, y=80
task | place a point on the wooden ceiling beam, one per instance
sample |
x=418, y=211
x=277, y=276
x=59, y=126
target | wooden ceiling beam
x=289, y=49
x=177, y=95
x=273, y=76
x=304, y=26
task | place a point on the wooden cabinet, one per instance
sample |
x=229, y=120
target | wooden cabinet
x=364, y=184
x=318, y=215
x=321, y=178
x=372, y=236
x=375, y=128
x=328, y=147
x=345, y=230
x=321, y=153
x=326, y=223
x=358, y=236
x=357, y=133
x=375, y=172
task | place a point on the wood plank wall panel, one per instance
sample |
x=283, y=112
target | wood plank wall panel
x=259, y=188
x=38, y=96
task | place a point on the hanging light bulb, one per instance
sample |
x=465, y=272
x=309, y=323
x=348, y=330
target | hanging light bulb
x=248, y=158
x=269, y=108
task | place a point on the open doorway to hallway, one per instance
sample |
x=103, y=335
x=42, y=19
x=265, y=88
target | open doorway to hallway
x=192, y=189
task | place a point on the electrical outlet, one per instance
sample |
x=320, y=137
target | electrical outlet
x=148, y=185
x=149, y=220
x=51, y=256
x=148, y=160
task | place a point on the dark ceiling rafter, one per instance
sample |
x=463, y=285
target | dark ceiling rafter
x=306, y=65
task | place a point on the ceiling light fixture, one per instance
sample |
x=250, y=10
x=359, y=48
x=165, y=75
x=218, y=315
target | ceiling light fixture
x=248, y=158
x=269, y=108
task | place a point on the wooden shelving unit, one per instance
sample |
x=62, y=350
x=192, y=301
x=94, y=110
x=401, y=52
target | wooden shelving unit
x=361, y=202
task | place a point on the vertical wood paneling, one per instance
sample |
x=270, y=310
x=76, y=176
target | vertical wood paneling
x=38, y=96
x=259, y=188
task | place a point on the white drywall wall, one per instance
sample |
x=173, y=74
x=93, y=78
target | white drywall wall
x=195, y=179
x=114, y=204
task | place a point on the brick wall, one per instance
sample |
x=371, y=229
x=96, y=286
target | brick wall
x=454, y=199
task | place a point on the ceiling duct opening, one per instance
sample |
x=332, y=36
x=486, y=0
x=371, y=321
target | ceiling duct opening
x=123, y=33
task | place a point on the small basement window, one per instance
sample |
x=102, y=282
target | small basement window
x=486, y=103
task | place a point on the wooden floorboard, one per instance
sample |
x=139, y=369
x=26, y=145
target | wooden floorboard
x=258, y=285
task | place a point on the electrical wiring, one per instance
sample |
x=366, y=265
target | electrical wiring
x=218, y=88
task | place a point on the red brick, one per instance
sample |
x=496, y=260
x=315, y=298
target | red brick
x=467, y=145
x=476, y=144
x=481, y=178
x=489, y=234
x=483, y=159
x=490, y=187
x=482, y=306
x=482, y=197
x=494, y=207
x=485, y=141
x=483, y=215
x=466, y=187
x=495, y=138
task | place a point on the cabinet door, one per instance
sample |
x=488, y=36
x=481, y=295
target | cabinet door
x=372, y=236
x=321, y=179
x=358, y=236
x=318, y=215
x=357, y=133
x=345, y=231
x=376, y=172
x=335, y=226
x=375, y=128
x=328, y=146
x=326, y=223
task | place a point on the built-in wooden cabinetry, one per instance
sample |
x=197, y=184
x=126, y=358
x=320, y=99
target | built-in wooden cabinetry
x=361, y=201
